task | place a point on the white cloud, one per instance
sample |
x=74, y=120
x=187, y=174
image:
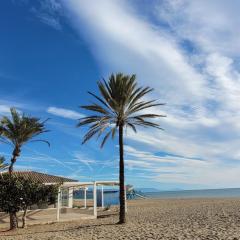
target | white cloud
x=65, y=113
x=211, y=25
x=192, y=64
x=183, y=170
x=4, y=109
x=142, y=44
x=6, y=105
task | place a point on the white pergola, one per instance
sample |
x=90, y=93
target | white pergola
x=83, y=185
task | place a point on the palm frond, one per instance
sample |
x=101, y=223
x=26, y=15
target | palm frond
x=3, y=165
x=142, y=106
x=149, y=116
x=20, y=129
x=104, y=102
x=132, y=127
x=92, y=119
x=96, y=108
x=120, y=102
x=141, y=122
x=139, y=94
x=90, y=134
x=105, y=138
x=113, y=132
x=40, y=140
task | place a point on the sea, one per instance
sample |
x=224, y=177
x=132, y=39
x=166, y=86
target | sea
x=205, y=193
x=111, y=196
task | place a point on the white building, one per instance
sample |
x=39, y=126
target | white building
x=66, y=188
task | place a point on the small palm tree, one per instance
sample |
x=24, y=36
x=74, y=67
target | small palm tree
x=119, y=106
x=17, y=131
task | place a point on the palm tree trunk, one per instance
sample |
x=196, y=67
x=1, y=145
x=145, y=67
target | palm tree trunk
x=13, y=221
x=15, y=154
x=13, y=216
x=122, y=217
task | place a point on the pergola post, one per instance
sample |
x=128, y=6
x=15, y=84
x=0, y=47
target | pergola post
x=58, y=203
x=95, y=199
x=85, y=197
x=70, y=197
x=102, y=197
x=125, y=193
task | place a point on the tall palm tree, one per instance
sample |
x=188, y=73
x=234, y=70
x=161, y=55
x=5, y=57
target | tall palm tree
x=120, y=105
x=17, y=131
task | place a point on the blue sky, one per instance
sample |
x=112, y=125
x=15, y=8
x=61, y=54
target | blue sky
x=53, y=51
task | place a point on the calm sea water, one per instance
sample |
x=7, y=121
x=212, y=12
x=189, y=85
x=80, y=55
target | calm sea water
x=208, y=193
x=111, y=197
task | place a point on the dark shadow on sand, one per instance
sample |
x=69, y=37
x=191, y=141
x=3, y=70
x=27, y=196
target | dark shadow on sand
x=16, y=233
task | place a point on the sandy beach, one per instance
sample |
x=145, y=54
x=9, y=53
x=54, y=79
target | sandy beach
x=148, y=219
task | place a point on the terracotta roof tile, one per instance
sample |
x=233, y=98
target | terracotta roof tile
x=42, y=177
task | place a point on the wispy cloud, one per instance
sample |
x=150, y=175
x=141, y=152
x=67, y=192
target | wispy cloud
x=65, y=113
x=190, y=61
x=182, y=170
x=4, y=109
x=49, y=20
x=39, y=156
x=193, y=64
x=187, y=19
x=6, y=105
x=7, y=102
x=48, y=12
x=85, y=160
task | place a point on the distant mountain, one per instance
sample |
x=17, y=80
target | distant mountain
x=173, y=189
x=146, y=190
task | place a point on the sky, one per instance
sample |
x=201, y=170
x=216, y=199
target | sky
x=53, y=51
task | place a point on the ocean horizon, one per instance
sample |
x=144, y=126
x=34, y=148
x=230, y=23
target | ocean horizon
x=199, y=193
x=111, y=197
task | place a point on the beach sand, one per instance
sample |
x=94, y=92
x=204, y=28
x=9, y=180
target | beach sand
x=148, y=219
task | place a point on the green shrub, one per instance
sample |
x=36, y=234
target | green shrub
x=18, y=193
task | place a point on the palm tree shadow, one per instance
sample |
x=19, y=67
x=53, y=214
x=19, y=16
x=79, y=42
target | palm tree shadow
x=108, y=215
x=14, y=233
